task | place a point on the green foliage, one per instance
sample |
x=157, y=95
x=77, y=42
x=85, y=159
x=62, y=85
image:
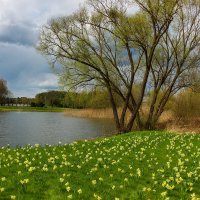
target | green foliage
x=91, y=99
x=3, y=88
x=76, y=100
x=99, y=100
x=51, y=98
x=169, y=104
x=141, y=165
x=4, y=92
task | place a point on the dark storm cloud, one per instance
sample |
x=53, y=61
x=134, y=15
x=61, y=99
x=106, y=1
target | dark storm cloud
x=18, y=34
x=25, y=70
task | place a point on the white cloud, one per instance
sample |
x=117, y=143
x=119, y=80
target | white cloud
x=35, y=11
x=47, y=81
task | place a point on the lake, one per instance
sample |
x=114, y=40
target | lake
x=21, y=128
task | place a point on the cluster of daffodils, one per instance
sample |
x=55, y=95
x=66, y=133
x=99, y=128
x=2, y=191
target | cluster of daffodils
x=145, y=166
x=25, y=181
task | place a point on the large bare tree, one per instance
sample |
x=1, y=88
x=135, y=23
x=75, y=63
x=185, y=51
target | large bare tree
x=105, y=44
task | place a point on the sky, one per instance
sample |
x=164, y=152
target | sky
x=25, y=70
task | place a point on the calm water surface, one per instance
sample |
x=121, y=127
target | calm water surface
x=21, y=128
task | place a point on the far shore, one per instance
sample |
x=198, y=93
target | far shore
x=30, y=109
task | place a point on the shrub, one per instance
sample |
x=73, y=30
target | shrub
x=187, y=105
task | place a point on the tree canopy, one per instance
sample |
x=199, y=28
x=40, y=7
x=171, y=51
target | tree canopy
x=4, y=92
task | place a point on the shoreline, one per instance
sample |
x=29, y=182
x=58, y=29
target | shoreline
x=29, y=109
x=167, y=121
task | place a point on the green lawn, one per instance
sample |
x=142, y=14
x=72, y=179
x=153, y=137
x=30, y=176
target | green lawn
x=140, y=165
x=30, y=109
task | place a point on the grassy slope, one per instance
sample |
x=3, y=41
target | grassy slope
x=132, y=166
x=30, y=109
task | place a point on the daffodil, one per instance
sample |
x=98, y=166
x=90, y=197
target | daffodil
x=12, y=197
x=80, y=191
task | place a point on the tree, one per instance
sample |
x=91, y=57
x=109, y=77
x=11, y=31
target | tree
x=4, y=92
x=104, y=45
x=50, y=98
x=176, y=60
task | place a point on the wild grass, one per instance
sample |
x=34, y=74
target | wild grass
x=168, y=120
x=105, y=113
x=139, y=165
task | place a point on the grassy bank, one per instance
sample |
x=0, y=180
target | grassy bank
x=145, y=165
x=30, y=109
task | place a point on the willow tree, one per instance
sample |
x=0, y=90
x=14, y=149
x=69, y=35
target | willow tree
x=106, y=45
x=176, y=62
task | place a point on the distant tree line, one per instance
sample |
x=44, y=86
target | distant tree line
x=96, y=98
x=90, y=99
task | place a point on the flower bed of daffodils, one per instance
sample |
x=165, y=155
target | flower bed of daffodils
x=140, y=165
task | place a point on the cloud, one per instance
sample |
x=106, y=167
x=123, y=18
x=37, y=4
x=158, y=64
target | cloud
x=21, y=20
x=26, y=71
x=18, y=34
x=37, y=11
